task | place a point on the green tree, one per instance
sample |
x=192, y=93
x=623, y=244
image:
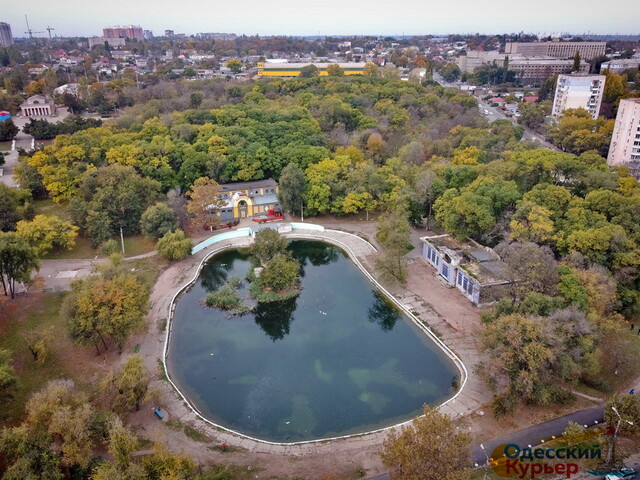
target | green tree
x=268, y=244
x=450, y=72
x=18, y=260
x=334, y=70
x=112, y=305
x=576, y=62
x=157, y=221
x=234, y=65
x=128, y=387
x=292, y=187
x=9, y=213
x=433, y=447
x=122, y=444
x=519, y=356
x=309, y=71
x=281, y=272
x=195, y=99
x=47, y=233
x=8, y=130
x=62, y=412
x=175, y=245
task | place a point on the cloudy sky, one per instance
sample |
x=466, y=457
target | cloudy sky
x=326, y=17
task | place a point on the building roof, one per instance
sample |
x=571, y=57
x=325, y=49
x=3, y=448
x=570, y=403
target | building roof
x=317, y=64
x=229, y=187
x=482, y=263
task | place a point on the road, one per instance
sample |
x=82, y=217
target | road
x=532, y=436
x=494, y=113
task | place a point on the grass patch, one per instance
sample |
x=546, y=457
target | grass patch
x=228, y=298
x=46, y=206
x=81, y=250
x=33, y=312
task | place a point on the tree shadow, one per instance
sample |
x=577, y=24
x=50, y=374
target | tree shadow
x=275, y=318
x=383, y=313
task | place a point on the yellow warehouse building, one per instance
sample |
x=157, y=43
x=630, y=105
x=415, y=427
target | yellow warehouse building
x=268, y=69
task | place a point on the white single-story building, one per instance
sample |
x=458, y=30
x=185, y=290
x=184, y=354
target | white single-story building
x=475, y=270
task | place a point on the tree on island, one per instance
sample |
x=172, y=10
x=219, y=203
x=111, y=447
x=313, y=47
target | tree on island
x=267, y=245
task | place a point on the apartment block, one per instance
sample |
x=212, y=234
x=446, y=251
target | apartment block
x=127, y=31
x=588, y=50
x=6, y=39
x=625, y=141
x=578, y=91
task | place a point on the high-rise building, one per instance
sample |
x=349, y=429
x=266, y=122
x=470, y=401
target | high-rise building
x=125, y=31
x=578, y=91
x=6, y=39
x=588, y=50
x=625, y=141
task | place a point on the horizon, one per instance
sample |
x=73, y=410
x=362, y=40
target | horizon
x=407, y=18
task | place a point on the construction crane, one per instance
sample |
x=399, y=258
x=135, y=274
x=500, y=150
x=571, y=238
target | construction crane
x=48, y=29
x=29, y=31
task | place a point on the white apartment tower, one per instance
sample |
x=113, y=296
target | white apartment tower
x=578, y=91
x=625, y=141
x=6, y=39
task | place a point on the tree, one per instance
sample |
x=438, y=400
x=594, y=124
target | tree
x=205, y=200
x=62, y=412
x=175, y=245
x=280, y=272
x=112, y=304
x=431, y=448
x=127, y=387
x=46, y=233
x=122, y=445
x=292, y=187
x=39, y=342
x=9, y=214
x=8, y=130
x=533, y=267
x=371, y=70
x=519, y=357
x=234, y=65
x=450, y=72
x=268, y=244
x=334, y=70
x=157, y=221
x=195, y=99
x=576, y=62
x=17, y=261
x=309, y=71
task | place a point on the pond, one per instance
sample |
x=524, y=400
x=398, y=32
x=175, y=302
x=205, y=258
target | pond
x=338, y=359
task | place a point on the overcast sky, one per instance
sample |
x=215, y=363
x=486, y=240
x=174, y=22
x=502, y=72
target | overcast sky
x=325, y=17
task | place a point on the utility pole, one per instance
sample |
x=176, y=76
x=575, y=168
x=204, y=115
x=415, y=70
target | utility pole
x=122, y=241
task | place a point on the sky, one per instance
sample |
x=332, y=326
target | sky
x=326, y=17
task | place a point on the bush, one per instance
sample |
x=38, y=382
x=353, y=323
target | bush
x=175, y=245
x=281, y=272
x=597, y=384
x=110, y=247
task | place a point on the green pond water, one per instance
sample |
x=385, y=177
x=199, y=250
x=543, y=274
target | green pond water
x=338, y=359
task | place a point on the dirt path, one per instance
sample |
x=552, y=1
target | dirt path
x=308, y=460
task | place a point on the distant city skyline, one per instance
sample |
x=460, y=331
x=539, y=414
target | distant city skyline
x=328, y=17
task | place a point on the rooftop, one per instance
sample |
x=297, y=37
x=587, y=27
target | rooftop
x=480, y=262
x=228, y=187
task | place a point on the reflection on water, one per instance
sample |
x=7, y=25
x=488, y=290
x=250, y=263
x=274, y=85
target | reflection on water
x=337, y=359
x=275, y=318
x=383, y=313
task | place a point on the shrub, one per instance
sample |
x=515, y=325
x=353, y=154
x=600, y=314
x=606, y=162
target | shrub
x=175, y=245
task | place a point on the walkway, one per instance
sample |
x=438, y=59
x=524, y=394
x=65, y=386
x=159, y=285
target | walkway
x=360, y=451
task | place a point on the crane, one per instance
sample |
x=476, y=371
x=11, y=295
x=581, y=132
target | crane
x=48, y=29
x=29, y=31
